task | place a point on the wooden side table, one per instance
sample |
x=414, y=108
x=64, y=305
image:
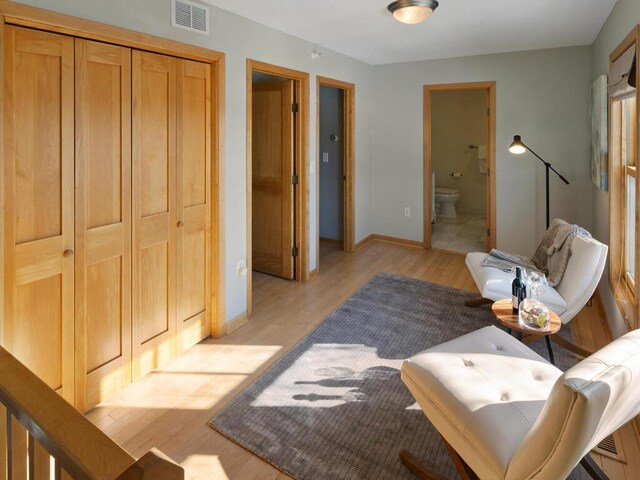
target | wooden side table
x=503, y=311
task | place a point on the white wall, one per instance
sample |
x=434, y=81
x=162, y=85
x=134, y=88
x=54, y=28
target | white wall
x=240, y=39
x=543, y=95
x=624, y=17
x=459, y=119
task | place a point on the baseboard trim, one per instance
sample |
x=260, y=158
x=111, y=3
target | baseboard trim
x=386, y=238
x=398, y=240
x=313, y=274
x=235, y=323
x=364, y=241
x=448, y=252
x=332, y=241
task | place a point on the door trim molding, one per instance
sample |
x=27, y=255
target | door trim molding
x=349, y=89
x=426, y=148
x=33, y=17
x=301, y=223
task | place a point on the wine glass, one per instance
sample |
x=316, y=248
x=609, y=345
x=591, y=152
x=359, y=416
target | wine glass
x=537, y=283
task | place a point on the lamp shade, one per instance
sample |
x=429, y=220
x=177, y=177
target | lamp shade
x=412, y=11
x=517, y=146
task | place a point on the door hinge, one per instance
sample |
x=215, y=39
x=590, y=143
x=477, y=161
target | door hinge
x=294, y=252
x=294, y=180
x=294, y=107
x=488, y=112
x=488, y=232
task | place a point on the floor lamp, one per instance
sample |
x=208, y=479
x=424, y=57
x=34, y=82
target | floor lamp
x=518, y=147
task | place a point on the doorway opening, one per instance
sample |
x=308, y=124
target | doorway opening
x=459, y=167
x=335, y=159
x=277, y=173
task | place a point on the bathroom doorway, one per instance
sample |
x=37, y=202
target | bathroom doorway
x=459, y=167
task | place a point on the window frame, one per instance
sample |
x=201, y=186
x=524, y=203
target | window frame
x=623, y=285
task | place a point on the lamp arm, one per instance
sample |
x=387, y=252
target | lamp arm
x=547, y=164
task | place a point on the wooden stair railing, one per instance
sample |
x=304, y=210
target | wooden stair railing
x=43, y=436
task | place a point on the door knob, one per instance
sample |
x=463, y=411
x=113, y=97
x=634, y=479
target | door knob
x=180, y=224
x=67, y=253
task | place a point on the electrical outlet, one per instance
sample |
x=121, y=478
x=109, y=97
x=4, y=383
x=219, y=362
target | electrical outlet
x=241, y=268
x=407, y=211
x=325, y=157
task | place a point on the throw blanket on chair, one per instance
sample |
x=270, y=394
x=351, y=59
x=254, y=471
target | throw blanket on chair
x=551, y=256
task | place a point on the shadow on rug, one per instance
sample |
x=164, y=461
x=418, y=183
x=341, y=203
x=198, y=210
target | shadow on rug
x=334, y=406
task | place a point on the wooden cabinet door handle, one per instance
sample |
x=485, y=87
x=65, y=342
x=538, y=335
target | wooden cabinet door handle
x=180, y=224
x=67, y=253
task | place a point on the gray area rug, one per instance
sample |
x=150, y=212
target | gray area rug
x=334, y=406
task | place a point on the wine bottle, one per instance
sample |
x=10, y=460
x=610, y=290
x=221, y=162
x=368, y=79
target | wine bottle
x=518, y=290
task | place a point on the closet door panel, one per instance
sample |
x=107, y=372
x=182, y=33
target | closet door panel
x=37, y=325
x=103, y=221
x=193, y=192
x=154, y=211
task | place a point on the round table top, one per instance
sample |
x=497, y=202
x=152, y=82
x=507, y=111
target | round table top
x=503, y=310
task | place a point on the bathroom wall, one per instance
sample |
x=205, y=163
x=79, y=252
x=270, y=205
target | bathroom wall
x=331, y=167
x=459, y=119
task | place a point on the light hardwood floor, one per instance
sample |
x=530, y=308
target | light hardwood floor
x=170, y=408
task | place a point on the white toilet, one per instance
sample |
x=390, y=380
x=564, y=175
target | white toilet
x=446, y=199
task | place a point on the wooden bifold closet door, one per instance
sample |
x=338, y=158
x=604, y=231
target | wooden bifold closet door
x=103, y=221
x=171, y=217
x=38, y=320
x=107, y=223
x=193, y=256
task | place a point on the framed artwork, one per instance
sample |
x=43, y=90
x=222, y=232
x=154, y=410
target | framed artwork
x=598, y=113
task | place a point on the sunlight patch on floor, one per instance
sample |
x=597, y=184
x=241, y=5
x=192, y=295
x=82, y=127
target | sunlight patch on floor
x=191, y=374
x=327, y=376
x=207, y=466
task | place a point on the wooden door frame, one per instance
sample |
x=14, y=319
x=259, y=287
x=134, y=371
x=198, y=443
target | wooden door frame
x=490, y=87
x=37, y=18
x=301, y=166
x=348, y=203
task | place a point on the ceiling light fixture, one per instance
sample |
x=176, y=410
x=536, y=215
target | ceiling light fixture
x=412, y=11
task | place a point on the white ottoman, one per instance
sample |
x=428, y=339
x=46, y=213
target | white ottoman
x=483, y=386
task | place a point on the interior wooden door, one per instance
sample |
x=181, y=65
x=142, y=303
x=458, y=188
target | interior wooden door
x=193, y=172
x=154, y=210
x=272, y=172
x=38, y=319
x=103, y=221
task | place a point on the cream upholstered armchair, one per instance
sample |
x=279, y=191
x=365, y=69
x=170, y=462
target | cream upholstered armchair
x=581, y=277
x=504, y=412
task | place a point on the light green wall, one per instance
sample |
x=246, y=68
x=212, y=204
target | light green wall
x=542, y=95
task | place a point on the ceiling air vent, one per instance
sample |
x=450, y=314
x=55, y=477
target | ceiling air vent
x=190, y=16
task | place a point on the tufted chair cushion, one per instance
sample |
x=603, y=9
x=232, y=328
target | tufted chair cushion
x=483, y=392
x=581, y=277
x=512, y=415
